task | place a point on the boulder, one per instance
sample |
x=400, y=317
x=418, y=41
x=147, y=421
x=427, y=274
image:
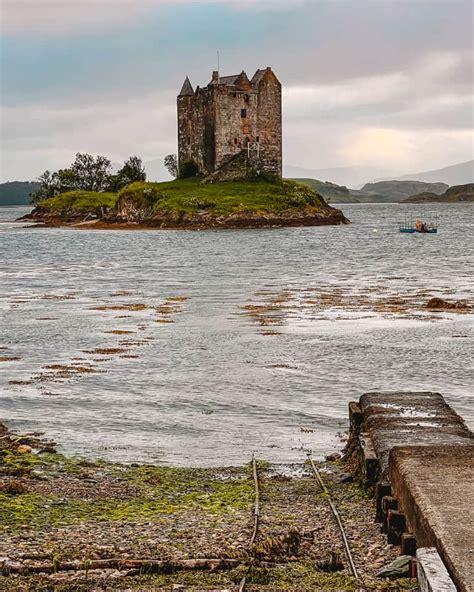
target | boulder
x=400, y=568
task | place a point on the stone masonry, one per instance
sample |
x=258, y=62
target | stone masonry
x=232, y=116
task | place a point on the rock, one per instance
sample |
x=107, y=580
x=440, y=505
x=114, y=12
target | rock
x=334, y=456
x=440, y=304
x=400, y=568
x=344, y=478
x=24, y=449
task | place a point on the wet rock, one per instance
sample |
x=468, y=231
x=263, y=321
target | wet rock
x=334, y=456
x=440, y=304
x=400, y=568
x=24, y=449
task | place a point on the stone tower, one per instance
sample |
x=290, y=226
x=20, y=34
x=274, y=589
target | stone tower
x=232, y=116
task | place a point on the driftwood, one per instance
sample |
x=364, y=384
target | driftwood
x=148, y=566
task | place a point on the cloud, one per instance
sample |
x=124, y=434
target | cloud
x=76, y=16
x=382, y=82
x=48, y=136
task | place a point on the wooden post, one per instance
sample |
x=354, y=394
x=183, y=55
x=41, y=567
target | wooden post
x=408, y=544
x=388, y=503
x=382, y=489
x=396, y=526
x=370, y=463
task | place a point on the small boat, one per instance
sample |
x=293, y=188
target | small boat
x=411, y=226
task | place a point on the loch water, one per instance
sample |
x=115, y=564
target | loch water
x=212, y=382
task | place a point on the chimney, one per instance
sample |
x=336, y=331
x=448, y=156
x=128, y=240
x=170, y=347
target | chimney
x=215, y=76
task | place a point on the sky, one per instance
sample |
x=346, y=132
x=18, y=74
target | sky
x=385, y=84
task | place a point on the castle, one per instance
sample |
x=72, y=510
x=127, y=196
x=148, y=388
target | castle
x=232, y=127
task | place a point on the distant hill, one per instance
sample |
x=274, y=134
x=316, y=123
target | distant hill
x=17, y=193
x=356, y=176
x=457, y=193
x=457, y=174
x=330, y=191
x=384, y=192
x=350, y=176
x=397, y=190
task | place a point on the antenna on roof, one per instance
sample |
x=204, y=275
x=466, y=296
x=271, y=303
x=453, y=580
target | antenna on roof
x=218, y=67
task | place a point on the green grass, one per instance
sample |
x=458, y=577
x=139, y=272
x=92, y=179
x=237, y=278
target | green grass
x=191, y=195
x=85, y=201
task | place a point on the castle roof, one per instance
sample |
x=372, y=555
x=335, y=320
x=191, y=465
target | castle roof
x=228, y=80
x=258, y=76
x=187, y=88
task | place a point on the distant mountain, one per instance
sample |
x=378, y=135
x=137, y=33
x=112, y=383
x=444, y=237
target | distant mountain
x=351, y=176
x=457, y=174
x=17, y=193
x=355, y=176
x=453, y=194
x=398, y=190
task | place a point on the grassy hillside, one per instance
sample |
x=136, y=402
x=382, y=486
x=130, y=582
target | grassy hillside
x=80, y=200
x=17, y=193
x=190, y=195
x=330, y=191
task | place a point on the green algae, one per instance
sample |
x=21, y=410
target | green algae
x=161, y=491
x=291, y=577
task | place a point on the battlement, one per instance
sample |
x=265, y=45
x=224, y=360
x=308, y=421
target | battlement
x=229, y=115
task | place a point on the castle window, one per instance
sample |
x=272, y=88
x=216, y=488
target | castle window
x=258, y=139
x=243, y=113
x=189, y=141
x=235, y=140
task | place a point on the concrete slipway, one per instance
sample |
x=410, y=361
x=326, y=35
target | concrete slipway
x=417, y=455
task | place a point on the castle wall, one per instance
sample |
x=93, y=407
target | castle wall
x=269, y=124
x=233, y=130
x=196, y=127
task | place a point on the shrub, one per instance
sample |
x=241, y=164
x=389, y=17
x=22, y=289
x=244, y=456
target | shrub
x=146, y=195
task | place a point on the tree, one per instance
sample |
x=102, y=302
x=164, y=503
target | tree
x=132, y=170
x=171, y=163
x=88, y=173
x=91, y=174
x=64, y=180
x=46, y=187
x=51, y=184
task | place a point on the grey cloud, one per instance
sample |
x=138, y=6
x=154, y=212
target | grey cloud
x=351, y=70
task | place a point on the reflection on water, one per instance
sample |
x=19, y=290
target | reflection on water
x=144, y=346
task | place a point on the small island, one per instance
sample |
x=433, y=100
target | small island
x=228, y=171
x=191, y=204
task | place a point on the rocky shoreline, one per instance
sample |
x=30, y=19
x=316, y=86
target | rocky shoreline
x=75, y=524
x=174, y=220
